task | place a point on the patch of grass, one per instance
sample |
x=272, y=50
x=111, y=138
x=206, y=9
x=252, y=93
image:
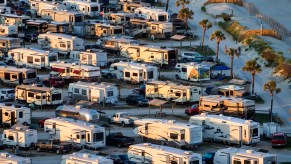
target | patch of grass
x=207, y=52
x=264, y=117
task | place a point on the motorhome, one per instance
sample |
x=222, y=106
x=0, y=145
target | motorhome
x=5, y=10
x=192, y=71
x=114, y=44
x=37, y=95
x=84, y=158
x=231, y=91
x=72, y=71
x=171, y=91
x=19, y=136
x=106, y=30
x=171, y=133
x=93, y=57
x=91, y=9
x=229, y=130
x=227, y=105
x=7, y=43
x=13, y=159
x=61, y=43
x=151, y=29
x=149, y=54
x=74, y=18
x=14, y=114
x=11, y=19
x=16, y=76
x=130, y=7
x=132, y=72
x=236, y=155
x=8, y=30
x=150, y=153
x=77, y=112
x=31, y=57
x=38, y=6
x=100, y=93
x=42, y=26
x=118, y=18
x=152, y=14
x=78, y=132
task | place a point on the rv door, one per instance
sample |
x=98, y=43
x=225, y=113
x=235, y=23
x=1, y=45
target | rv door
x=20, y=78
x=235, y=134
x=9, y=117
x=134, y=53
x=96, y=95
x=80, y=137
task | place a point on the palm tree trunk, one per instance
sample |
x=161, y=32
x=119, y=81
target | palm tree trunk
x=271, y=111
x=203, y=39
x=253, y=82
x=186, y=24
x=167, y=5
x=231, y=67
x=217, y=49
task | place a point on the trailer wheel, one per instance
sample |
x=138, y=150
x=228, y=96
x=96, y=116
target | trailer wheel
x=38, y=149
x=40, y=125
x=122, y=124
x=2, y=99
x=25, y=123
x=32, y=145
x=177, y=77
x=109, y=120
x=58, y=151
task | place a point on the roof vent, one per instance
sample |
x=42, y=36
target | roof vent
x=248, y=121
x=147, y=144
x=220, y=115
x=250, y=151
x=204, y=114
x=78, y=106
x=171, y=121
x=86, y=155
x=4, y=155
x=188, y=152
x=19, y=128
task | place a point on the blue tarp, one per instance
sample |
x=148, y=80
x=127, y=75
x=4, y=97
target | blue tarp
x=220, y=68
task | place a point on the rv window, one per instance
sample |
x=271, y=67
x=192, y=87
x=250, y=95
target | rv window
x=6, y=114
x=166, y=56
x=173, y=162
x=78, y=136
x=36, y=60
x=178, y=94
x=84, y=9
x=31, y=75
x=150, y=74
x=7, y=76
x=29, y=59
x=184, y=69
x=57, y=96
x=83, y=136
x=76, y=90
x=134, y=74
x=173, y=135
x=10, y=138
x=140, y=74
x=156, y=89
x=38, y=97
x=3, y=92
x=84, y=92
x=98, y=137
x=152, y=56
x=88, y=137
x=255, y=132
x=184, y=94
x=63, y=45
x=94, y=8
x=154, y=27
x=236, y=162
x=127, y=74
x=110, y=93
x=182, y=136
x=247, y=162
x=3, y=44
x=20, y=114
x=14, y=76
x=5, y=136
x=30, y=94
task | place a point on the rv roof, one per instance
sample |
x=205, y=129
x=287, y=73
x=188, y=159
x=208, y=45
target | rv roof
x=106, y=25
x=152, y=47
x=244, y=152
x=78, y=123
x=231, y=87
x=120, y=14
x=154, y=10
x=33, y=51
x=87, y=157
x=133, y=65
x=6, y=25
x=5, y=157
x=14, y=69
x=14, y=16
x=58, y=35
x=12, y=107
x=76, y=109
x=36, y=88
x=64, y=12
x=171, y=84
x=93, y=85
x=83, y=2
x=75, y=66
x=7, y=38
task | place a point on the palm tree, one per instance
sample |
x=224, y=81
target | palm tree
x=219, y=36
x=186, y=14
x=204, y=24
x=271, y=86
x=182, y=3
x=253, y=67
x=232, y=53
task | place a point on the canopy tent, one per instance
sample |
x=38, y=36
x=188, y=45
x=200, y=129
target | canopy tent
x=220, y=68
x=158, y=103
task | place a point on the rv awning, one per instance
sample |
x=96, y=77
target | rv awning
x=220, y=68
x=58, y=69
x=178, y=37
x=210, y=64
x=157, y=102
x=238, y=82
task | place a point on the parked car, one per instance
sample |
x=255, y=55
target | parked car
x=7, y=94
x=189, y=56
x=30, y=37
x=56, y=82
x=208, y=157
x=54, y=146
x=279, y=140
x=119, y=140
x=3, y=64
x=137, y=100
x=41, y=122
x=193, y=110
x=140, y=90
x=120, y=159
x=122, y=118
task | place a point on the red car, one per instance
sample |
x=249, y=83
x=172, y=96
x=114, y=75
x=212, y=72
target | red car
x=279, y=140
x=193, y=110
x=54, y=81
x=41, y=122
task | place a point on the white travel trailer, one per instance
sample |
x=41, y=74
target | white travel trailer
x=60, y=43
x=91, y=9
x=93, y=57
x=172, y=91
x=192, y=71
x=16, y=76
x=84, y=158
x=149, y=54
x=227, y=129
x=227, y=105
x=14, y=114
x=78, y=132
x=8, y=30
x=152, y=14
x=132, y=72
x=100, y=93
x=236, y=156
x=150, y=153
x=13, y=159
x=106, y=30
x=11, y=19
x=7, y=43
x=38, y=6
x=5, y=10
x=75, y=71
x=77, y=112
x=115, y=43
x=19, y=136
x=32, y=58
x=72, y=17
x=40, y=96
x=171, y=133
x=118, y=18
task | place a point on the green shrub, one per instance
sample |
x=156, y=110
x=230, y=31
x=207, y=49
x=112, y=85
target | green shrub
x=203, y=8
x=226, y=17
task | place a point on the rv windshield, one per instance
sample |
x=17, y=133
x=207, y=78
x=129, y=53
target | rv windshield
x=162, y=18
x=31, y=75
x=98, y=136
x=255, y=132
x=53, y=58
x=118, y=31
x=194, y=162
x=94, y=8
x=78, y=19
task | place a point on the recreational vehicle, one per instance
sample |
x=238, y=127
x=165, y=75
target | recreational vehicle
x=106, y=30
x=114, y=44
x=170, y=132
x=77, y=132
x=79, y=113
x=8, y=31
x=72, y=71
x=227, y=105
x=150, y=153
x=16, y=76
x=152, y=14
x=130, y=7
x=32, y=58
x=13, y=159
x=93, y=57
x=236, y=156
x=38, y=6
x=100, y=93
x=19, y=136
x=227, y=129
x=231, y=91
x=132, y=72
x=40, y=96
x=172, y=91
x=7, y=43
x=74, y=18
x=42, y=26
x=84, y=158
x=60, y=43
x=5, y=10
x=192, y=71
x=151, y=29
x=91, y=9
x=14, y=114
x=11, y=19
x=118, y=18
x=149, y=54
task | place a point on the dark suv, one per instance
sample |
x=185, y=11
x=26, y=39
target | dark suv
x=137, y=100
